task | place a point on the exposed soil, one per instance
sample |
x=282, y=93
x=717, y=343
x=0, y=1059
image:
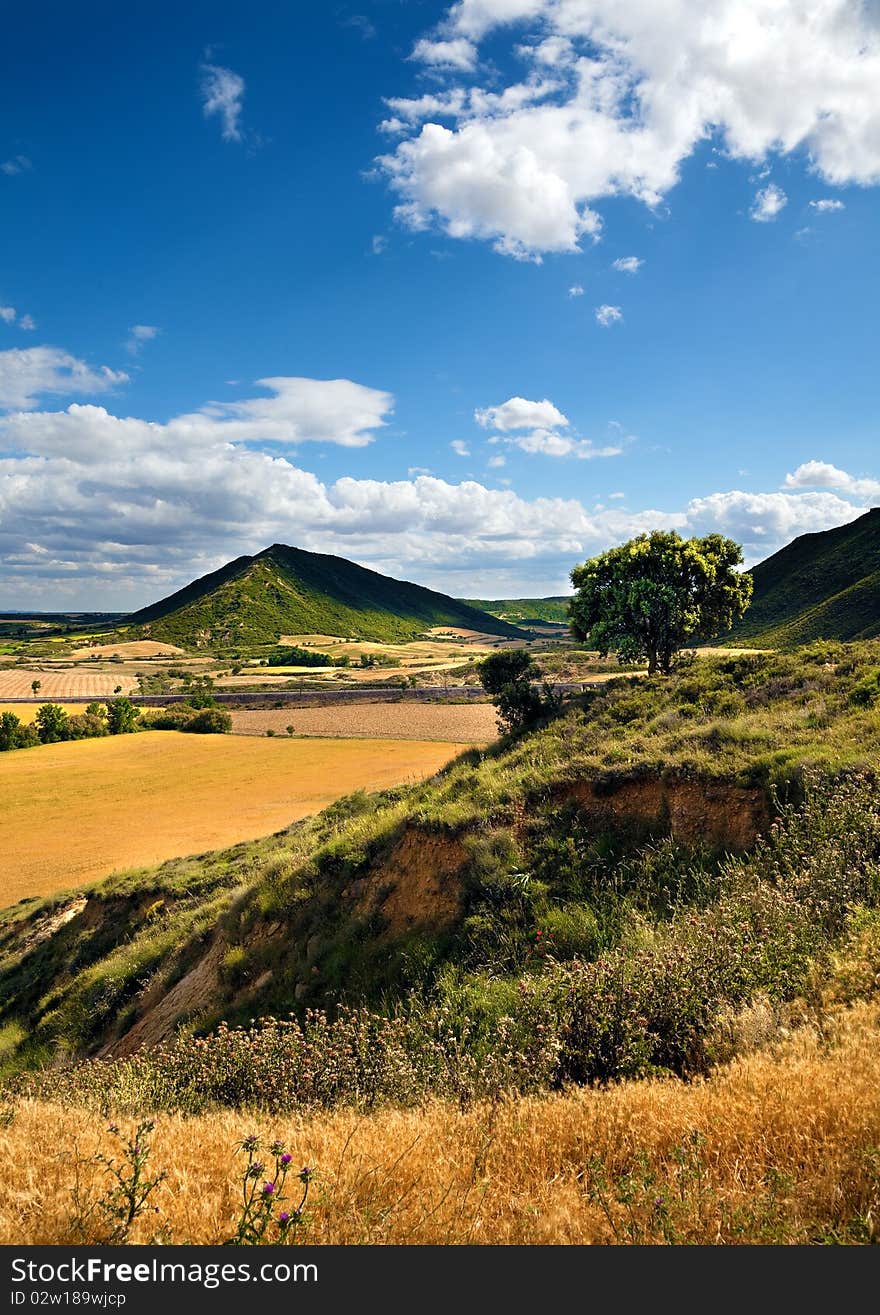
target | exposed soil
x=715, y=814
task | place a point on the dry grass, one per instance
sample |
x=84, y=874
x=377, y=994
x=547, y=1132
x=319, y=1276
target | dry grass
x=73, y=683
x=456, y=722
x=77, y=811
x=788, y=1153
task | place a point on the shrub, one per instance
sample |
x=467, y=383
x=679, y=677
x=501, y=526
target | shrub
x=210, y=721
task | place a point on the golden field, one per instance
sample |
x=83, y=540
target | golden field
x=77, y=811
x=786, y=1151
x=26, y=712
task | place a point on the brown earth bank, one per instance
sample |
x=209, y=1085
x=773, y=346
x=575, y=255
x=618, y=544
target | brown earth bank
x=700, y=813
x=456, y=722
x=420, y=886
x=778, y=1147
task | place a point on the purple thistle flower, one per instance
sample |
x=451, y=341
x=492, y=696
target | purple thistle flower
x=268, y=1189
x=284, y=1218
x=285, y=1159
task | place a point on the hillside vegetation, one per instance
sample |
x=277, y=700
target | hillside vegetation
x=572, y=881
x=524, y=611
x=253, y=601
x=820, y=586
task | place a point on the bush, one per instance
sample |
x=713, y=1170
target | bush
x=209, y=721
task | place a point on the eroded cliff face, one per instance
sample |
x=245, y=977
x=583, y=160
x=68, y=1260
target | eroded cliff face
x=418, y=887
x=714, y=814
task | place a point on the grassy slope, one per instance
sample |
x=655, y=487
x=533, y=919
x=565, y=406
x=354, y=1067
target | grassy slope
x=524, y=611
x=254, y=600
x=752, y=720
x=824, y=585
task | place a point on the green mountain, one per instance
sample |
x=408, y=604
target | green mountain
x=287, y=591
x=525, y=611
x=820, y=586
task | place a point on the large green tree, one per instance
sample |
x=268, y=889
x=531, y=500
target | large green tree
x=656, y=593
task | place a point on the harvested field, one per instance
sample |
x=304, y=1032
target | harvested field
x=778, y=1148
x=77, y=811
x=455, y=722
x=134, y=648
x=79, y=683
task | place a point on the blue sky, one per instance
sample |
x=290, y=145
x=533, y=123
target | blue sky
x=527, y=276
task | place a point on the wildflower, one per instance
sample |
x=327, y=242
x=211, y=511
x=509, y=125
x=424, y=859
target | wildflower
x=268, y=1189
x=286, y=1158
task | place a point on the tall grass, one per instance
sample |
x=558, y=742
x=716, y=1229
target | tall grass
x=779, y=1147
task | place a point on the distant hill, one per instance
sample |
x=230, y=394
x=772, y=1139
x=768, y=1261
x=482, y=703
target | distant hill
x=287, y=591
x=525, y=611
x=820, y=586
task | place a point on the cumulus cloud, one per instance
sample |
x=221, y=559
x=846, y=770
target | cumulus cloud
x=222, y=93
x=768, y=203
x=28, y=373
x=179, y=499
x=28, y=323
x=639, y=86
x=628, y=264
x=763, y=522
x=7, y=314
x=519, y=413
x=460, y=447
x=543, y=422
x=138, y=334
x=827, y=206
x=822, y=475
x=607, y=315
x=576, y=290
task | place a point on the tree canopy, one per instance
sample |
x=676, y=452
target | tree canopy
x=508, y=676
x=651, y=596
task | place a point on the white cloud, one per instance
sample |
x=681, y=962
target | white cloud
x=576, y=290
x=181, y=498
x=27, y=373
x=628, y=264
x=460, y=448
x=642, y=84
x=617, y=497
x=768, y=203
x=550, y=443
x=138, y=334
x=519, y=413
x=7, y=314
x=378, y=244
x=28, y=323
x=763, y=522
x=456, y=54
x=822, y=475
x=607, y=315
x=496, y=463
x=827, y=206
x=222, y=94
x=300, y=411
x=18, y=164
